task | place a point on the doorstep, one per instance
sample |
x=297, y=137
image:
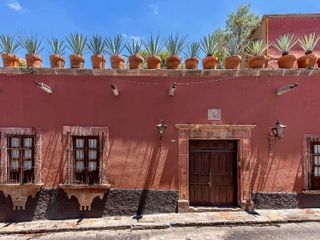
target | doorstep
x=214, y=209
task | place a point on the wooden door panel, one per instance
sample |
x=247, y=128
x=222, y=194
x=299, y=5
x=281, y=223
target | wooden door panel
x=213, y=173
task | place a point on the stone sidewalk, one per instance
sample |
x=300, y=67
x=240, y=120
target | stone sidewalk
x=163, y=221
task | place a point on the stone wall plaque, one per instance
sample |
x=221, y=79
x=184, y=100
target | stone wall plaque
x=214, y=114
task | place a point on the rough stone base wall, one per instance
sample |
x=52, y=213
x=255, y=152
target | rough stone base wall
x=279, y=200
x=54, y=204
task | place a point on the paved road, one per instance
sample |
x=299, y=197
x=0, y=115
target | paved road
x=305, y=231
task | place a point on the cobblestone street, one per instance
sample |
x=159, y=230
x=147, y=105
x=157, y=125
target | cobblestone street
x=292, y=231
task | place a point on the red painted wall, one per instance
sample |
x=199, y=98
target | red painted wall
x=134, y=161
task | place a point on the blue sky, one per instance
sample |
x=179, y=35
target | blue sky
x=131, y=18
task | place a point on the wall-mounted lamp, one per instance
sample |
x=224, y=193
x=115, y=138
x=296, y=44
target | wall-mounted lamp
x=285, y=89
x=276, y=132
x=44, y=87
x=115, y=90
x=172, y=89
x=161, y=129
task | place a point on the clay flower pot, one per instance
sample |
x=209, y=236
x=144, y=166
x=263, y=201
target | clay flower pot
x=257, y=61
x=33, y=61
x=56, y=61
x=307, y=61
x=153, y=62
x=10, y=60
x=173, y=62
x=76, y=61
x=98, y=61
x=287, y=61
x=135, y=61
x=117, y=62
x=209, y=62
x=191, y=63
x=232, y=62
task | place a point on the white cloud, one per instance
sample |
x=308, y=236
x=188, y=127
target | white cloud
x=15, y=5
x=133, y=37
x=154, y=7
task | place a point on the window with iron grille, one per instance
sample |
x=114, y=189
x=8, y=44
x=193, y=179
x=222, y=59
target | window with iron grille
x=314, y=165
x=86, y=159
x=21, y=158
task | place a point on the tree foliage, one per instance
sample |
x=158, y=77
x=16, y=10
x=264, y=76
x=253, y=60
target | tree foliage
x=238, y=25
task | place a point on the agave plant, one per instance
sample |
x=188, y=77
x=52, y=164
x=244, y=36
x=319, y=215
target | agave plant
x=174, y=44
x=285, y=43
x=134, y=48
x=8, y=44
x=114, y=45
x=97, y=45
x=57, y=46
x=77, y=43
x=309, y=42
x=208, y=45
x=32, y=44
x=234, y=47
x=153, y=46
x=193, y=50
x=257, y=47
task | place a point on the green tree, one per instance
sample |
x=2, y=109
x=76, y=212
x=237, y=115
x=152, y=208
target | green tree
x=238, y=25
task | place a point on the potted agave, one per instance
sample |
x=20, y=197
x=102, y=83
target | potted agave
x=174, y=46
x=135, y=59
x=209, y=47
x=58, y=49
x=33, y=47
x=153, y=48
x=97, y=47
x=308, y=43
x=77, y=44
x=192, y=54
x=233, y=52
x=284, y=44
x=256, y=50
x=8, y=47
x=114, y=47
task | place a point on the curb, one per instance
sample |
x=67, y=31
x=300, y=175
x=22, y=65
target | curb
x=160, y=226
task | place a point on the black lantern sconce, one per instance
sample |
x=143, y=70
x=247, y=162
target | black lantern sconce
x=161, y=129
x=276, y=133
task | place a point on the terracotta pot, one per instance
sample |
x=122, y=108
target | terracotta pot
x=307, y=61
x=287, y=61
x=191, y=63
x=154, y=62
x=76, y=61
x=135, y=61
x=257, y=61
x=232, y=62
x=117, y=62
x=98, y=61
x=173, y=62
x=209, y=62
x=33, y=61
x=56, y=61
x=10, y=60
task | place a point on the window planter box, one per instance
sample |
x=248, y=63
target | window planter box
x=85, y=193
x=19, y=193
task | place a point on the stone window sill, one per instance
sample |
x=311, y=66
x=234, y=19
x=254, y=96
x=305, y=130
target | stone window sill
x=311, y=192
x=19, y=193
x=85, y=193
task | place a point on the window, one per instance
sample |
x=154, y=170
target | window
x=21, y=158
x=86, y=159
x=315, y=165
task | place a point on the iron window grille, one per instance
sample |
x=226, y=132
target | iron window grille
x=313, y=164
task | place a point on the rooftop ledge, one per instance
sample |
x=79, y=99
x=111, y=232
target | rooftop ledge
x=266, y=72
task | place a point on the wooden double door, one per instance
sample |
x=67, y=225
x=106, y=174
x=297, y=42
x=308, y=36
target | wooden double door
x=213, y=172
